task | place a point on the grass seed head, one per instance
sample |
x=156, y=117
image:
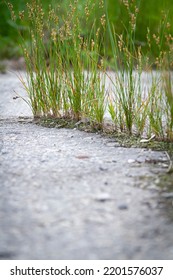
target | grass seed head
x=13, y=15
x=21, y=15
x=103, y=20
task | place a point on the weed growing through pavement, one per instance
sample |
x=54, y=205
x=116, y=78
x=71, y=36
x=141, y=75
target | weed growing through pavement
x=66, y=72
x=135, y=107
x=127, y=83
x=63, y=66
x=161, y=99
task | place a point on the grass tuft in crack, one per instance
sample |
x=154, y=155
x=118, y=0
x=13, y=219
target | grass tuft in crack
x=66, y=68
x=63, y=66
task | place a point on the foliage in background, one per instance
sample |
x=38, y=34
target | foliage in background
x=149, y=16
x=9, y=30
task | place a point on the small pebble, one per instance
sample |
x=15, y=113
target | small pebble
x=131, y=160
x=103, y=168
x=112, y=144
x=103, y=197
x=122, y=207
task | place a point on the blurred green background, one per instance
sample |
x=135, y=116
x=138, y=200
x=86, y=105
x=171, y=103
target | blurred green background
x=151, y=12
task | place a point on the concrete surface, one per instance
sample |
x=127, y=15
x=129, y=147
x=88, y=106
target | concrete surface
x=66, y=194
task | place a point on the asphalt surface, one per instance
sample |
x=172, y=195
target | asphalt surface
x=67, y=194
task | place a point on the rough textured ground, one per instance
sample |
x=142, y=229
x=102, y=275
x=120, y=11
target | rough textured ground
x=66, y=194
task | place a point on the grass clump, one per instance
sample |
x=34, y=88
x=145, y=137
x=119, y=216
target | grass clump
x=63, y=66
x=142, y=98
x=66, y=68
x=126, y=83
